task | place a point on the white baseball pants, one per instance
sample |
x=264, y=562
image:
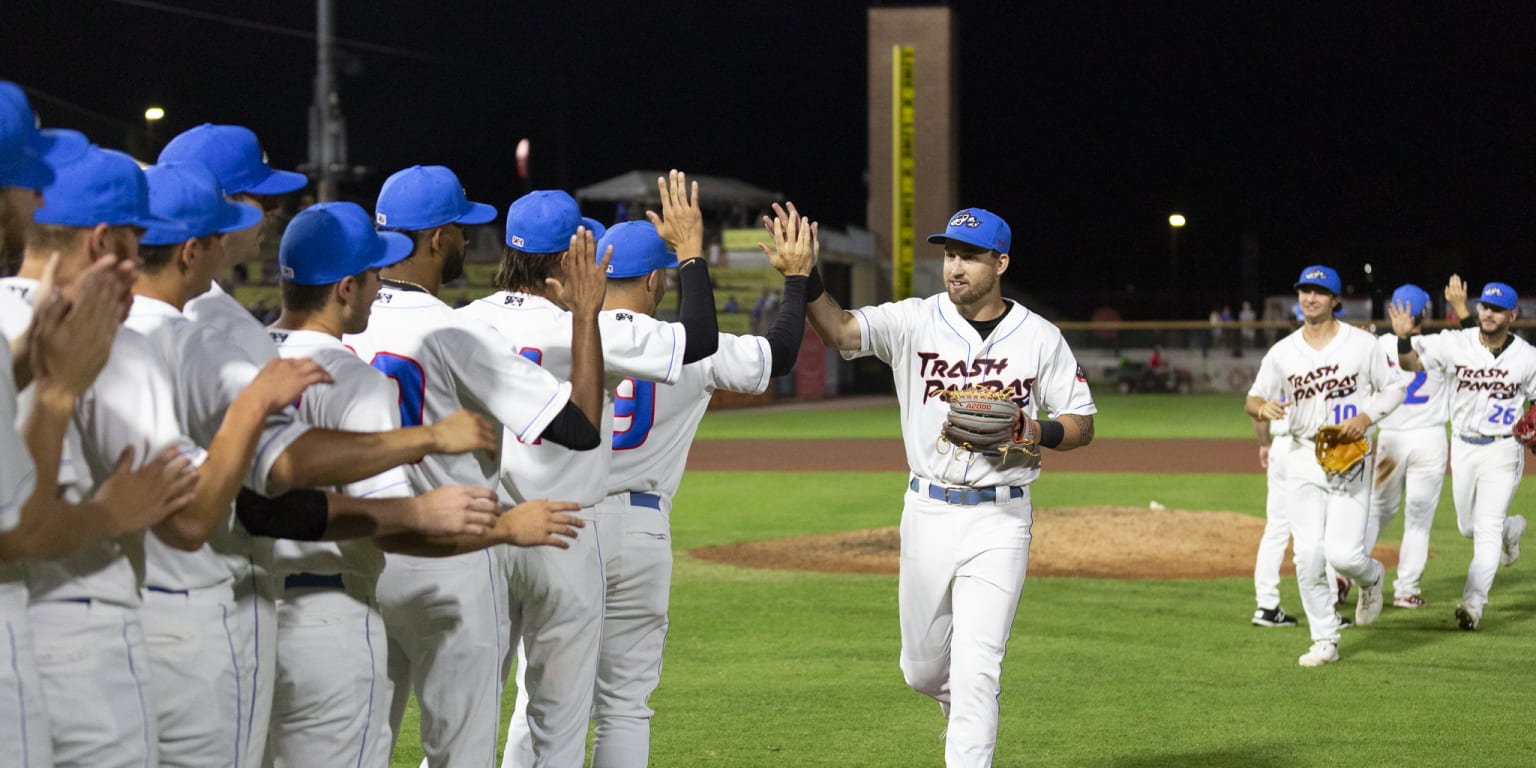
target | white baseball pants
x=1483, y=481
x=195, y=675
x=94, y=668
x=1277, y=527
x=255, y=627
x=962, y=571
x=1410, y=464
x=1328, y=523
x=23, y=714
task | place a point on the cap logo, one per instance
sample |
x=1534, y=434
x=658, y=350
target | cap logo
x=381, y=219
x=1316, y=274
x=1493, y=290
x=610, y=269
x=965, y=219
x=517, y=241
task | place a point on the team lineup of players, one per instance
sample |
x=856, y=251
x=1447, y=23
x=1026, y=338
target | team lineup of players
x=1408, y=385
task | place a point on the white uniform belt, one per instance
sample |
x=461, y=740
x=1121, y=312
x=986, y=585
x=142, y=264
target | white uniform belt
x=965, y=497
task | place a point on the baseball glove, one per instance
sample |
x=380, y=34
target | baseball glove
x=1339, y=458
x=1525, y=428
x=983, y=420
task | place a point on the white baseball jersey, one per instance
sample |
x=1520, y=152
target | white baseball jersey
x=1426, y=403
x=441, y=361
x=208, y=374
x=109, y=417
x=654, y=425
x=220, y=310
x=1487, y=394
x=1326, y=386
x=360, y=400
x=18, y=475
x=931, y=348
x=634, y=345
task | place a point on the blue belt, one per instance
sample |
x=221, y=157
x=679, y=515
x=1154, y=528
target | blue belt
x=166, y=590
x=313, y=581
x=1479, y=439
x=648, y=500
x=966, y=497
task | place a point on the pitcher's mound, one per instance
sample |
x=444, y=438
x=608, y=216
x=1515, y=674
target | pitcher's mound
x=1090, y=542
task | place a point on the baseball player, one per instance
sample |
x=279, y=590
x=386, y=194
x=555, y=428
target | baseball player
x=1410, y=457
x=652, y=436
x=966, y=516
x=557, y=597
x=446, y=618
x=1491, y=375
x=1328, y=373
x=235, y=157
x=1274, y=449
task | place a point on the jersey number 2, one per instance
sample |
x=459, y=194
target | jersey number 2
x=635, y=400
x=1414, y=398
x=412, y=381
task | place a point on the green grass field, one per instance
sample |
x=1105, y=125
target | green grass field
x=772, y=668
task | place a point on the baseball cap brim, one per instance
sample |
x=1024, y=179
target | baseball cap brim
x=978, y=241
x=278, y=183
x=234, y=217
x=479, y=213
x=393, y=248
x=595, y=227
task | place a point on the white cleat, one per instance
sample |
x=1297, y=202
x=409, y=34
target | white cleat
x=1371, y=600
x=1322, y=652
x=1514, y=528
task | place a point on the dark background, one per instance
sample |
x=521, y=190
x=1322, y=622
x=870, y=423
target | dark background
x=1396, y=134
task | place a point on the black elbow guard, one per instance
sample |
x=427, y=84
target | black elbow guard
x=297, y=515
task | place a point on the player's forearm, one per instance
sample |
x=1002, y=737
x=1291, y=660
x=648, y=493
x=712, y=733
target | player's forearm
x=352, y=518
x=1076, y=432
x=1261, y=430
x=836, y=327
x=587, y=368
x=21, y=363
x=788, y=328
x=49, y=527
x=219, y=478
x=326, y=457
x=696, y=311
x=1254, y=407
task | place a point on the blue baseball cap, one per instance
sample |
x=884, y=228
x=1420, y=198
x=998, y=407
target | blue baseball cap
x=978, y=227
x=188, y=194
x=29, y=155
x=1499, y=295
x=102, y=186
x=543, y=221
x=1320, y=276
x=329, y=241
x=594, y=226
x=426, y=196
x=637, y=249
x=234, y=155
x=1415, y=297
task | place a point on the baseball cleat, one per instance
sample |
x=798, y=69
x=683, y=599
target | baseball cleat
x=1273, y=617
x=1322, y=652
x=1369, y=606
x=1514, y=528
x=1344, y=586
x=1465, y=619
x=1411, y=601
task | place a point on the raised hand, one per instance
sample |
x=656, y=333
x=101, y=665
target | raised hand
x=681, y=223
x=464, y=431
x=72, y=338
x=135, y=500
x=795, y=243
x=1456, y=296
x=539, y=522
x=455, y=510
x=281, y=381
x=1402, y=321
x=584, y=281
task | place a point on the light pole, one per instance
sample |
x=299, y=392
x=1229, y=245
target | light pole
x=1175, y=223
x=151, y=116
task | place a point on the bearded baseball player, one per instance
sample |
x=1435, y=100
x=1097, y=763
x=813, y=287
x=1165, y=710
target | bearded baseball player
x=557, y=597
x=235, y=157
x=967, y=512
x=1327, y=373
x=653, y=430
x=1410, y=456
x=1491, y=375
x=447, y=617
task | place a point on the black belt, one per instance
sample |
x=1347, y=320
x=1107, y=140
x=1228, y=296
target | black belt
x=313, y=581
x=966, y=497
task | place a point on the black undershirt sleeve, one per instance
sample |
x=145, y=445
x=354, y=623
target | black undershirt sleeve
x=696, y=310
x=789, y=327
x=300, y=515
x=570, y=428
x=1470, y=321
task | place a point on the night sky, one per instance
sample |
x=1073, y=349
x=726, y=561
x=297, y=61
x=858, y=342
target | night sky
x=1395, y=133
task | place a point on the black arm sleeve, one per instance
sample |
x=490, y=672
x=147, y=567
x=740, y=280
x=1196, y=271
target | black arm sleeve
x=1470, y=321
x=298, y=515
x=789, y=327
x=696, y=310
x=571, y=429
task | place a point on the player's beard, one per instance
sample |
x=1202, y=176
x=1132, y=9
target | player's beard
x=976, y=289
x=453, y=266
